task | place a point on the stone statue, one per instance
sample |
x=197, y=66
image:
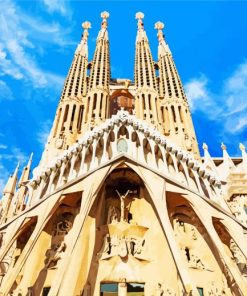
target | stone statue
x=121, y=246
x=53, y=255
x=196, y=262
x=160, y=290
x=122, y=198
x=63, y=227
x=113, y=216
x=105, y=249
x=238, y=257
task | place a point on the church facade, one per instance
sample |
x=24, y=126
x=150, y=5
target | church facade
x=122, y=203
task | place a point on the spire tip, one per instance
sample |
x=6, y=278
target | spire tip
x=86, y=25
x=139, y=15
x=105, y=15
x=159, y=25
x=223, y=146
x=241, y=147
x=204, y=146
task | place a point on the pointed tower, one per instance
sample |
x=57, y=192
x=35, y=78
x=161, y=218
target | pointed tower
x=18, y=203
x=96, y=104
x=67, y=125
x=8, y=193
x=147, y=96
x=176, y=115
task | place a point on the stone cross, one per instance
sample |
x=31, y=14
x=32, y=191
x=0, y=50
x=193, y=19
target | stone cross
x=122, y=198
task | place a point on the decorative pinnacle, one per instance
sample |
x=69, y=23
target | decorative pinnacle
x=204, y=146
x=223, y=146
x=140, y=17
x=241, y=147
x=104, y=15
x=159, y=25
x=86, y=25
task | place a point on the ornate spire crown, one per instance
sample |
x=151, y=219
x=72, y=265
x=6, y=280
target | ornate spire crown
x=140, y=17
x=86, y=25
x=104, y=15
x=160, y=26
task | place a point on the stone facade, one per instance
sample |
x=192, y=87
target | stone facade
x=122, y=203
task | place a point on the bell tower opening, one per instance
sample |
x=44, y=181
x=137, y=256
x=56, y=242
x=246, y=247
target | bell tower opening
x=121, y=99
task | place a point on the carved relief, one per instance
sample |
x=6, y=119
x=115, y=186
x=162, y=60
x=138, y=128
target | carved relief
x=54, y=254
x=58, y=246
x=124, y=237
x=238, y=257
x=237, y=205
x=162, y=290
x=196, y=262
x=8, y=260
x=215, y=290
x=122, y=247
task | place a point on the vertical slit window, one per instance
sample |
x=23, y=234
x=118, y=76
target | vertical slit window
x=72, y=118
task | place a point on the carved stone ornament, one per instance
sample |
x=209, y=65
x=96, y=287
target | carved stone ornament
x=122, y=246
x=53, y=255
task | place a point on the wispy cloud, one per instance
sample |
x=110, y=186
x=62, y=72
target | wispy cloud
x=43, y=134
x=58, y=6
x=22, y=38
x=5, y=91
x=228, y=106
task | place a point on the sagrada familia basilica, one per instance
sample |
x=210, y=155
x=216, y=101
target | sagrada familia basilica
x=121, y=202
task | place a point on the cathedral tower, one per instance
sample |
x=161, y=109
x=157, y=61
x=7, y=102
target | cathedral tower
x=96, y=104
x=177, y=121
x=116, y=207
x=68, y=124
x=147, y=96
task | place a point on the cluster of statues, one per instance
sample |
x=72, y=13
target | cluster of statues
x=58, y=246
x=238, y=257
x=122, y=246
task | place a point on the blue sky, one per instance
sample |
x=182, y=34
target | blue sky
x=38, y=40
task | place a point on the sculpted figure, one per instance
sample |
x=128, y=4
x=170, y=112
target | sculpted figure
x=160, y=290
x=122, y=198
x=63, y=227
x=105, y=250
x=196, y=262
x=238, y=257
x=53, y=255
x=113, y=216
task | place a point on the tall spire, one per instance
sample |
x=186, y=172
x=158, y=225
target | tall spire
x=19, y=199
x=75, y=83
x=147, y=103
x=8, y=193
x=98, y=92
x=176, y=115
x=67, y=125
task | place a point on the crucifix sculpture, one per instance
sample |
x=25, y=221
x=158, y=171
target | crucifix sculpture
x=122, y=198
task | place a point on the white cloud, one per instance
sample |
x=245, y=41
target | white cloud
x=241, y=124
x=44, y=132
x=2, y=146
x=59, y=6
x=228, y=106
x=196, y=90
x=22, y=37
x=5, y=91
